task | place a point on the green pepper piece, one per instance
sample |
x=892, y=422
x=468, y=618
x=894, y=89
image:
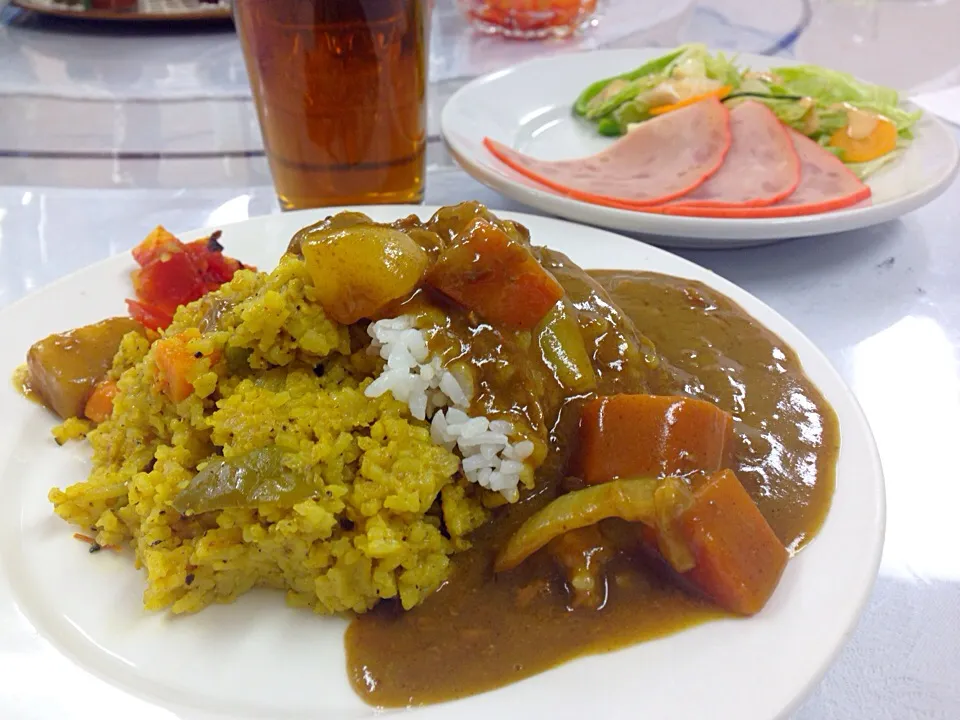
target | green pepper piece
x=563, y=350
x=625, y=95
x=238, y=359
x=656, y=65
x=245, y=481
x=609, y=127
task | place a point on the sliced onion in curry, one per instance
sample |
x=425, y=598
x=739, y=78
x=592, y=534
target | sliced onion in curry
x=630, y=500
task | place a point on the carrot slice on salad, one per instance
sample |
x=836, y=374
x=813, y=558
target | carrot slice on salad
x=719, y=93
x=880, y=141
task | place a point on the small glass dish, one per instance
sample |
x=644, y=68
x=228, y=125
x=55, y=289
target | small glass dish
x=529, y=19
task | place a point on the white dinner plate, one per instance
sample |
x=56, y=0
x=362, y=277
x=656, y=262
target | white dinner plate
x=75, y=641
x=528, y=107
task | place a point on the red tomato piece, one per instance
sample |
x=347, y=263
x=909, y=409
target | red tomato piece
x=169, y=282
x=149, y=317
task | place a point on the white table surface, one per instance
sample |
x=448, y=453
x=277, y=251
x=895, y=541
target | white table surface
x=91, y=159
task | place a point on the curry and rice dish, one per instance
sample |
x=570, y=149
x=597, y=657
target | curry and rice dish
x=495, y=460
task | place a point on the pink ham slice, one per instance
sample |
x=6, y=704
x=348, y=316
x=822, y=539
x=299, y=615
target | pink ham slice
x=825, y=184
x=659, y=160
x=761, y=168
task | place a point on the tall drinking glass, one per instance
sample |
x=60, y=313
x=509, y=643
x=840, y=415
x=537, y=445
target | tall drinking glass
x=340, y=89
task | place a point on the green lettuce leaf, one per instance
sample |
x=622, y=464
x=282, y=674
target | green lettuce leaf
x=832, y=86
x=865, y=169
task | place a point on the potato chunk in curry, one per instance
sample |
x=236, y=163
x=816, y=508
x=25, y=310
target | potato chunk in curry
x=65, y=367
x=357, y=270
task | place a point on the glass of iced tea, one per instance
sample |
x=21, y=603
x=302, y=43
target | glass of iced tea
x=340, y=89
x=529, y=19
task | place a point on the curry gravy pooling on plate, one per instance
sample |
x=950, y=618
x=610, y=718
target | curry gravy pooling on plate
x=494, y=460
x=482, y=630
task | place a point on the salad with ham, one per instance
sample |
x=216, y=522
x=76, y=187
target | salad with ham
x=699, y=136
x=861, y=123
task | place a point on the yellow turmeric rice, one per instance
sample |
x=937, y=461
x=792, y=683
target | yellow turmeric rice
x=376, y=509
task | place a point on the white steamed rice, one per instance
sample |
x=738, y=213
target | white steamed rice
x=489, y=457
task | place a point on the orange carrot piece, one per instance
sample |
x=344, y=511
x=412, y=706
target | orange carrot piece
x=156, y=244
x=174, y=364
x=739, y=559
x=625, y=436
x=719, y=93
x=495, y=276
x=99, y=405
x=93, y=543
x=882, y=140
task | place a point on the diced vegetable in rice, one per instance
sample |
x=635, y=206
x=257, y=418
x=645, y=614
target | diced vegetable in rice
x=432, y=391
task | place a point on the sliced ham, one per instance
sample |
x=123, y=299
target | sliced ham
x=659, y=160
x=761, y=168
x=825, y=184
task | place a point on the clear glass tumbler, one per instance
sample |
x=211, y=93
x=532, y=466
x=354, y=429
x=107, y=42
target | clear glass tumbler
x=340, y=89
x=529, y=19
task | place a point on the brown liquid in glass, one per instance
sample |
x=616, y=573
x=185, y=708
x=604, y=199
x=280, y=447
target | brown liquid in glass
x=340, y=90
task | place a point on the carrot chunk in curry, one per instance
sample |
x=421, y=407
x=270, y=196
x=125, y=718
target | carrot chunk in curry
x=651, y=436
x=709, y=531
x=495, y=276
x=738, y=557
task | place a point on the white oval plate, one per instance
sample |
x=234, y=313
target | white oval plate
x=528, y=107
x=258, y=658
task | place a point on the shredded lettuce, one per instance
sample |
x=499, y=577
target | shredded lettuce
x=789, y=112
x=723, y=69
x=832, y=86
x=630, y=113
x=863, y=169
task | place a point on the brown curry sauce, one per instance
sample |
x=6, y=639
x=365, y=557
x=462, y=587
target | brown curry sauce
x=480, y=631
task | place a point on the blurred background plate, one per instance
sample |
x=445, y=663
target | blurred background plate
x=140, y=10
